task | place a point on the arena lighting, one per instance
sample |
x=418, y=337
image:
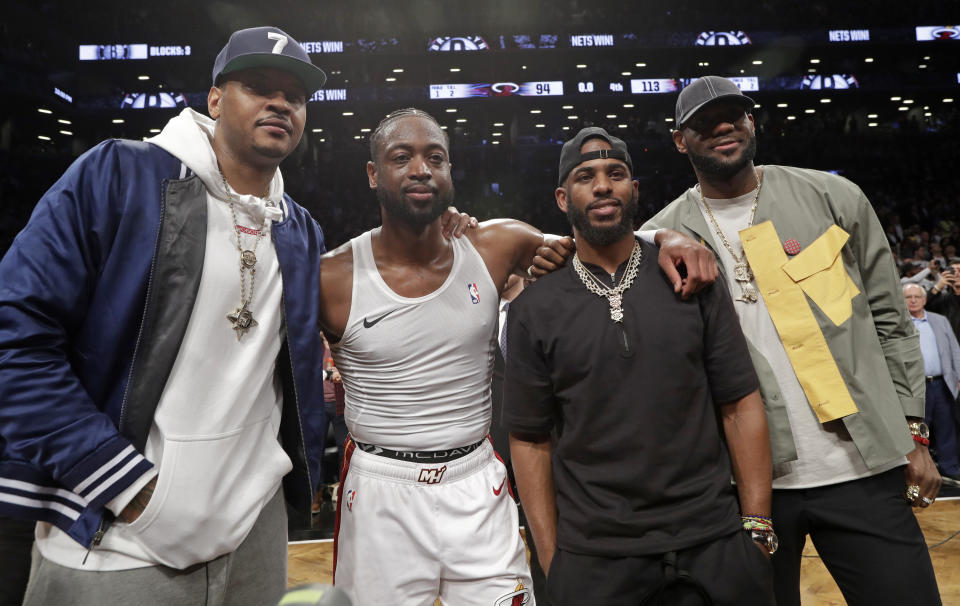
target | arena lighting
x=496, y=143
x=621, y=126
x=143, y=77
x=628, y=106
x=566, y=128
x=641, y=64
x=907, y=101
x=948, y=100
x=572, y=117
x=824, y=100
x=814, y=60
x=812, y=70
x=454, y=69
x=62, y=121
x=364, y=130
x=567, y=107
x=756, y=105
x=926, y=58
x=668, y=119
x=444, y=127
x=758, y=62
x=43, y=137
x=922, y=66
x=318, y=130
x=154, y=130
x=347, y=113
x=868, y=60
x=540, y=125
x=43, y=110
x=895, y=98
x=903, y=108
x=872, y=124
x=581, y=66
x=626, y=73
x=791, y=117
x=390, y=79
x=322, y=139
x=398, y=70
x=872, y=116
x=451, y=110
x=810, y=111
x=782, y=105
x=65, y=132
x=535, y=111
x=497, y=134
x=928, y=114
x=611, y=116
x=117, y=120
x=498, y=123
x=356, y=136
x=461, y=120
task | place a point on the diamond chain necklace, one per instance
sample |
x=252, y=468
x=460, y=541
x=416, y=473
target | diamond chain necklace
x=242, y=317
x=614, y=295
x=741, y=269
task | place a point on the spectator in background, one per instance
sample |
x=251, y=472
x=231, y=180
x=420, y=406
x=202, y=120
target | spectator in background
x=941, y=362
x=944, y=297
x=333, y=414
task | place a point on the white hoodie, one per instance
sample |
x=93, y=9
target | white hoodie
x=214, y=436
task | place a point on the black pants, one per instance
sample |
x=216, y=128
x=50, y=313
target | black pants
x=16, y=542
x=732, y=570
x=867, y=536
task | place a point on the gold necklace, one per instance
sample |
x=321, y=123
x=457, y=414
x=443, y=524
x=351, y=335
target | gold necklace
x=741, y=268
x=614, y=295
x=242, y=317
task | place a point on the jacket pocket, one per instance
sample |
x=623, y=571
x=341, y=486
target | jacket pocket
x=820, y=273
x=210, y=491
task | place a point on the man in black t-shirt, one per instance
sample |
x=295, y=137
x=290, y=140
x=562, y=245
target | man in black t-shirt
x=633, y=500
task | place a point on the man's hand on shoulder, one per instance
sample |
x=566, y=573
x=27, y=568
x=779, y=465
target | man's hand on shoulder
x=453, y=223
x=551, y=255
x=677, y=249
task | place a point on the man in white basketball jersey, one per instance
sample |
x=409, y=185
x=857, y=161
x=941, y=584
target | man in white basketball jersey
x=424, y=511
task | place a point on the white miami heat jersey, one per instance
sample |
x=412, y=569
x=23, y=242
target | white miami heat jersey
x=416, y=371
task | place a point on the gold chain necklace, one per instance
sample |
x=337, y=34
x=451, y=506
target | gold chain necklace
x=614, y=295
x=741, y=269
x=242, y=317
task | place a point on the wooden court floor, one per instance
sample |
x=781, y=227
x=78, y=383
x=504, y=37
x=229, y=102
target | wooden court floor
x=312, y=561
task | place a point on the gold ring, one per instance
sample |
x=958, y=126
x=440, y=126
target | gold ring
x=912, y=492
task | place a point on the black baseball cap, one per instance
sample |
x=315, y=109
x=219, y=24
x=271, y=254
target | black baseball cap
x=706, y=90
x=570, y=156
x=268, y=47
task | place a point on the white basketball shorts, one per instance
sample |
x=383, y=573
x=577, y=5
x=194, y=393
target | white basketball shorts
x=409, y=533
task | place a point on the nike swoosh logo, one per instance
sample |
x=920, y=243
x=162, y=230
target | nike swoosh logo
x=499, y=489
x=370, y=323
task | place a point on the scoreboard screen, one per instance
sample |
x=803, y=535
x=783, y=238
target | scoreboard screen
x=544, y=88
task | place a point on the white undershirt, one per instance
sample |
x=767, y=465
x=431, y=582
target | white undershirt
x=826, y=454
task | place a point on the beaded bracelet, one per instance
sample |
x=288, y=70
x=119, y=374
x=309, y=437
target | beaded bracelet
x=757, y=523
x=924, y=441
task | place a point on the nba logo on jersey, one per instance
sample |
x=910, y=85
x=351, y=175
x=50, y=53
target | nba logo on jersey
x=474, y=293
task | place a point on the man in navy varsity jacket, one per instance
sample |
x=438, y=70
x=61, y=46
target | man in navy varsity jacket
x=159, y=352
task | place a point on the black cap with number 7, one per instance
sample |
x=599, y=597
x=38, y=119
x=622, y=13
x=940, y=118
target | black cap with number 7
x=268, y=47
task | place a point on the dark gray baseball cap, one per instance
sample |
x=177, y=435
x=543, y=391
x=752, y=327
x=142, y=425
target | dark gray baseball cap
x=268, y=47
x=704, y=91
x=570, y=156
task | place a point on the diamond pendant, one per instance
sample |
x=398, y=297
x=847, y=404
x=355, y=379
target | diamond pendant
x=242, y=320
x=741, y=272
x=616, y=307
x=248, y=259
x=748, y=294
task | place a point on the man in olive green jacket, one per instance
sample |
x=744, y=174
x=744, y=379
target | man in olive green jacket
x=841, y=374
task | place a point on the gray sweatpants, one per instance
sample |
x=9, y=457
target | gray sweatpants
x=253, y=575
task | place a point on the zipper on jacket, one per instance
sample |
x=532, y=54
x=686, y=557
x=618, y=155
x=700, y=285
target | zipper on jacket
x=146, y=303
x=293, y=384
x=97, y=537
